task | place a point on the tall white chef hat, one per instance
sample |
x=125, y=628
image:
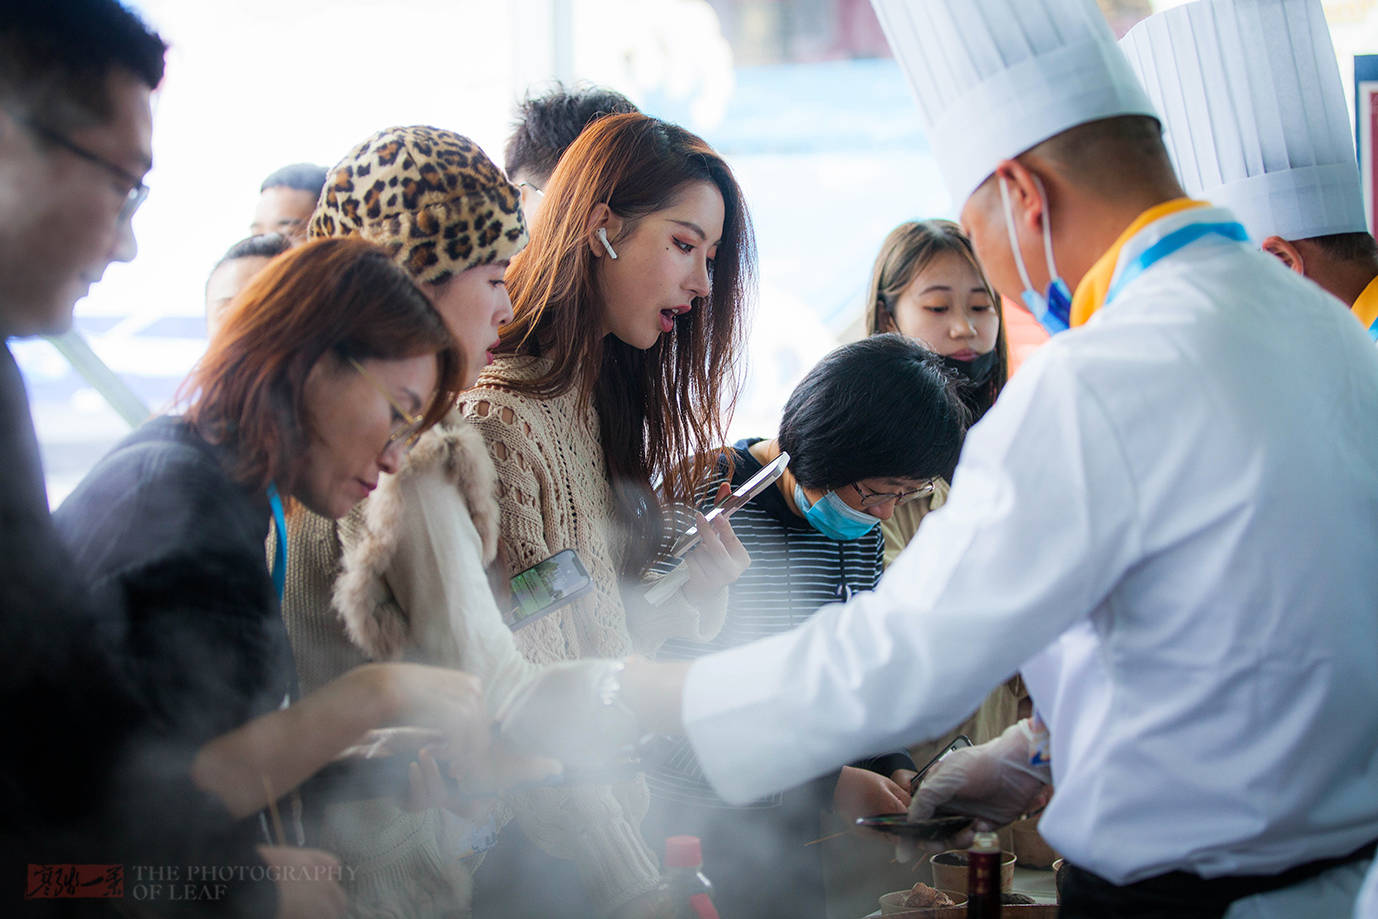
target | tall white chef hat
x=996, y=77
x=1254, y=112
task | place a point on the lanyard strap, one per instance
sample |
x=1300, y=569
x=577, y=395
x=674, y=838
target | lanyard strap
x=1170, y=244
x=279, y=569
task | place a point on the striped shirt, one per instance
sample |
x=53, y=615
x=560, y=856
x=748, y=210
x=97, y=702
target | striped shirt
x=794, y=570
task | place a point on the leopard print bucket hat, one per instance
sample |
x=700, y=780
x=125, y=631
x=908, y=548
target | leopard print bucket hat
x=430, y=197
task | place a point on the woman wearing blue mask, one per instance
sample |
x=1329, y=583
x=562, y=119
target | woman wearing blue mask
x=867, y=430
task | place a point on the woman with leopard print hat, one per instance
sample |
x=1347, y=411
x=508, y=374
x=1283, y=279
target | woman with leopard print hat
x=403, y=575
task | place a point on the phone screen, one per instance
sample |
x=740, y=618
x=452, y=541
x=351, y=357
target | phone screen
x=744, y=493
x=547, y=586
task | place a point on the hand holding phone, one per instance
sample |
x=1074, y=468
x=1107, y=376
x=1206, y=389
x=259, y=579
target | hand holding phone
x=744, y=493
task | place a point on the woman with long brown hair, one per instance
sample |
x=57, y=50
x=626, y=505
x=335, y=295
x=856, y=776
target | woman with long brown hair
x=326, y=367
x=617, y=372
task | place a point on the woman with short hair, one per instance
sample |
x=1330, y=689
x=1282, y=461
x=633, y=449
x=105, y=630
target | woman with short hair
x=867, y=430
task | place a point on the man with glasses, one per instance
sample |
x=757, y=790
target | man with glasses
x=82, y=788
x=867, y=430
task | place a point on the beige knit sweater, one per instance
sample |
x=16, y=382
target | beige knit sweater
x=412, y=585
x=554, y=493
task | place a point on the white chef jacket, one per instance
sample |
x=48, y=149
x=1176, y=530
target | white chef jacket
x=1172, y=515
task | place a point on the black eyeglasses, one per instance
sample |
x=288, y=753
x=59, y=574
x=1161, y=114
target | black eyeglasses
x=876, y=498
x=138, y=191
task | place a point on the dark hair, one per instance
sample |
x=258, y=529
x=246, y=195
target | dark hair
x=881, y=407
x=264, y=245
x=343, y=297
x=907, y=250
x=298, y=176
x=659, y=406
x=547, y=124
x=56, y=57
x=1347, y=247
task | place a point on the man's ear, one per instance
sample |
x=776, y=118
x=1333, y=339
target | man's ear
x=1025, y=191
x=601, y=217
x=1285, y=252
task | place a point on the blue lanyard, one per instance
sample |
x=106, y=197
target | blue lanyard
x=1373, y=330
x=1170, y=244
x=279, y=569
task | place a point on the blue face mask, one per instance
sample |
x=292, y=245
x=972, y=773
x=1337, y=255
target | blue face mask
x=833, y=518
x=1053, y=310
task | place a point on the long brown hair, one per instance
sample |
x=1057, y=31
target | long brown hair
x=661, y=411
x=338, y=297
x=908, y=250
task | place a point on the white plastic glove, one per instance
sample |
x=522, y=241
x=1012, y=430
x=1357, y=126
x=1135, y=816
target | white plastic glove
x=571, y=711
x=995, y=782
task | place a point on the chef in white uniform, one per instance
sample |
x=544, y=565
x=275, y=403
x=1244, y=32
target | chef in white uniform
x=1255, y=120
x=1168, y=523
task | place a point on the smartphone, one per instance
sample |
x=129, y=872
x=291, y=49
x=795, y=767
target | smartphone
x=744, y=493
x=958, y=742
x=900, y=825
x=546, y=586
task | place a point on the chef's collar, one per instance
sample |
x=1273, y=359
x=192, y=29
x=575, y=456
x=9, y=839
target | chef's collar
x=1092, y=289
x=1366, y=308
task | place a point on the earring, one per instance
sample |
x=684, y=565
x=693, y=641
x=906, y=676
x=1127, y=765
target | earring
x=602, y=235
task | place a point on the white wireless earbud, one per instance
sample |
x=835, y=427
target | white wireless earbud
x=602, y=235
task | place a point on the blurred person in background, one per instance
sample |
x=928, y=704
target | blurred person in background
x=545, y=127
x=867, y=430
x=75, y=140
x=235, y=270
x=286, y=200
x=630, y=308
x=75, y=143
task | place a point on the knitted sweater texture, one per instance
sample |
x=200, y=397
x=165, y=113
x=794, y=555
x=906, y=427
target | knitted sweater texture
x=554, y=494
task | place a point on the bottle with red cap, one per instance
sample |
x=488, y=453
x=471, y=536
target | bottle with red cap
x=689, y=892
